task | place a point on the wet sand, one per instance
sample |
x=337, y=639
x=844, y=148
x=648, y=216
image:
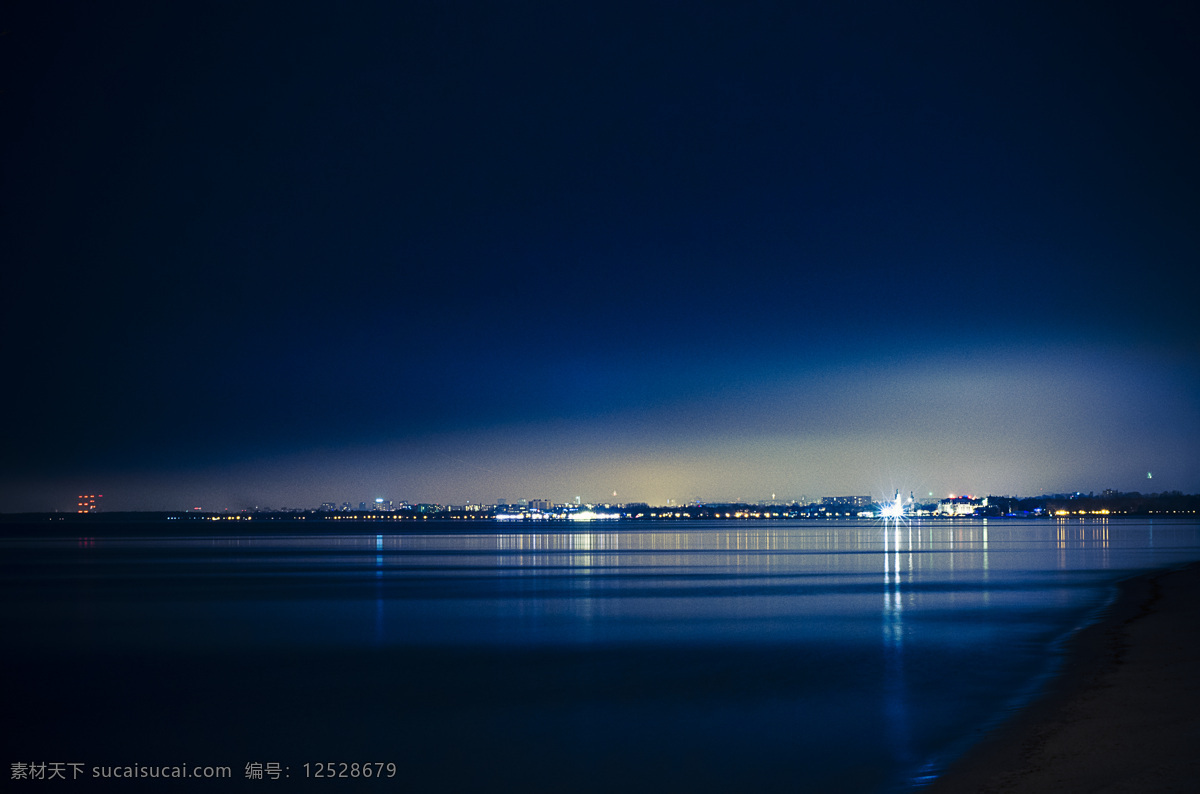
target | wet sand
x=1124, y=715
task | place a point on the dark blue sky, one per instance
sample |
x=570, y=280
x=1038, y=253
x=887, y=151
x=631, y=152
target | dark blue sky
x=292, y=253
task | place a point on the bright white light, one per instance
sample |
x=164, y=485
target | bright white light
x=893, y=509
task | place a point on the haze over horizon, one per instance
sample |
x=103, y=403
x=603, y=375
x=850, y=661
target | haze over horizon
x=464, y=252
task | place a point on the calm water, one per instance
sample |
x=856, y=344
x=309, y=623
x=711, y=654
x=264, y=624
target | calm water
x=714, y=656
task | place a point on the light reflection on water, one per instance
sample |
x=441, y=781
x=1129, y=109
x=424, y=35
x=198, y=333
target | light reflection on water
x=833, y=644
x=732, y=582
x=894, y=685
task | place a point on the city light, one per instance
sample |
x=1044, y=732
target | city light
x=893, y=510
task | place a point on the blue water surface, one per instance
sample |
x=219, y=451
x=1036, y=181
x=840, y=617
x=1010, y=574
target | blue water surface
x=822, y=656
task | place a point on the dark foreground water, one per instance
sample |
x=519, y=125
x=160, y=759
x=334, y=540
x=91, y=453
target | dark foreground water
x=737, y=656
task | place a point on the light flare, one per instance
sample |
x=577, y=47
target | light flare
x=896, y=510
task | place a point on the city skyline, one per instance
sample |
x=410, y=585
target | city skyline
x=94, y=503
x=533, y=250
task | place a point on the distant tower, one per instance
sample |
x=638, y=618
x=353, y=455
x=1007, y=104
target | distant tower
x=89, y=503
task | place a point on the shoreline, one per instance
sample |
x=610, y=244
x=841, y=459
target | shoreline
x=1122, y=714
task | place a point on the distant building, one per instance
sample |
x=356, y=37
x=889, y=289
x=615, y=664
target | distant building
x=88, y=503
x=960, y=506
x=851, y=501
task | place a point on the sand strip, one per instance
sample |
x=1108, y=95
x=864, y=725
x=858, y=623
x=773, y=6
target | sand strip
x=1124, y=715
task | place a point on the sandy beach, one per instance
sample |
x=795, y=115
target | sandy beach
x=1124, y=715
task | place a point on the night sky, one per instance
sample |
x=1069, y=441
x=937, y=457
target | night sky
x=276, y=254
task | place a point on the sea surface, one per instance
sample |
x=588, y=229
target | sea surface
x=709, y=656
